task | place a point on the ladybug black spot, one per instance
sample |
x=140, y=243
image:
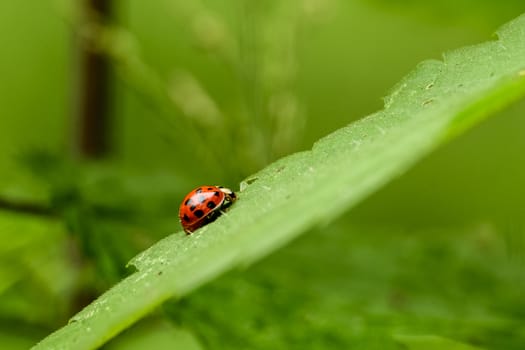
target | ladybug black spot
x=210, y=188
x=185, y=218
x=199, y=213
x=198, y=190
x=216, y=194
x=187, y=201
x=211, y=204
x=192, y=208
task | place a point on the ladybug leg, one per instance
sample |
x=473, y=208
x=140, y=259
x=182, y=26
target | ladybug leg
x=228, y=201
x=212, y=216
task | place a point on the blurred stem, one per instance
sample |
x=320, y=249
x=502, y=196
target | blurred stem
x=26, y=208
x=91, y=118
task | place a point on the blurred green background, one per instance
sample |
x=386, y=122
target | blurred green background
x=212, y=91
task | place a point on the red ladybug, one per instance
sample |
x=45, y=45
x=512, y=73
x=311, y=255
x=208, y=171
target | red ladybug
x=203, y=205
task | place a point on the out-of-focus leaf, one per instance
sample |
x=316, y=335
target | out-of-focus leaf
x=356, y=286
x=33, y=253
x=155, y=334
x=432, y=342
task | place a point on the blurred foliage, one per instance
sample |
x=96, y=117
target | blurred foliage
x=154, y=333
x=209, y=92
x=367, y=287
x=472, y=11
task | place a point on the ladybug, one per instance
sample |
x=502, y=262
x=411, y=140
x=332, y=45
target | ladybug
x=203, y=205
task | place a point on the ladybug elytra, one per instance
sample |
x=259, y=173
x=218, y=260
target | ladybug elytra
x=203, y=205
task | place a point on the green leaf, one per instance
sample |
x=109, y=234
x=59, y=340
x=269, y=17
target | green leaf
x=365, y=284
x=14, y=341
x=30, y=261
x=155, y=334
x=431, y=342
x=437, y=101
